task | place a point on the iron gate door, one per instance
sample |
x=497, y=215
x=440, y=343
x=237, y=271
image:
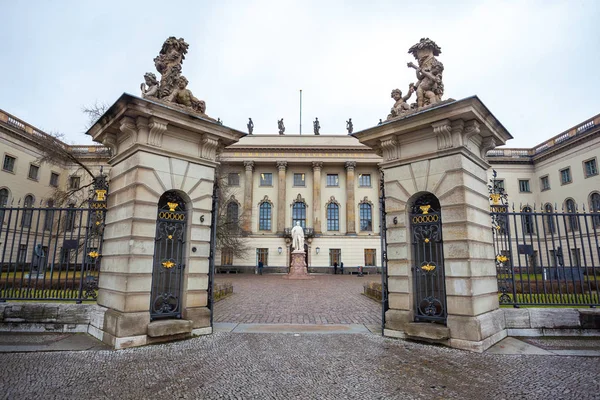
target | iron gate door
x=168, y=264
x=428, y=256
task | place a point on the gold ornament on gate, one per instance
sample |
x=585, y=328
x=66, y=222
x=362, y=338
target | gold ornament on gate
x=495, y=197
x=502, y=259
x=172, y=206
x=100, y=195
x=428, y=267
x=426, y=240
x=170, y=237
x=93, y=254
x=168, y=264
x=425, y=209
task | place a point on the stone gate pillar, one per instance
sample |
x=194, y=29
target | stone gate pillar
x=155, y=149
x=442, y=151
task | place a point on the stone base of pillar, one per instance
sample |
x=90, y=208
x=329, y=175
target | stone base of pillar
x=124, y=330
x=475, y=334
x=298, y=267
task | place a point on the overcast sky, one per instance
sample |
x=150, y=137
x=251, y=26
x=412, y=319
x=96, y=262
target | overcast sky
x=535, y=65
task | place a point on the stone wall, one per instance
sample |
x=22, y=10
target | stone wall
x=52, y=317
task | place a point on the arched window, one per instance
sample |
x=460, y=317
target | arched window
x=571, y=209
x=299, y=214
x=549, y=220
x=366, y=217
x=49, y=216
x=333, y=217
x=3, y=203
x=264, y=218
x=527, y=221
x=232, y=215
x=595, y=208
x=27, y=214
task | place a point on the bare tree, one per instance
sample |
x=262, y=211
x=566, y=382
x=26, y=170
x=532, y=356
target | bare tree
x=94, y=112
x=230, y=235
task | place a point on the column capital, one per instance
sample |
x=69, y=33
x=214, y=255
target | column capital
x=249, y=165
x=281, y=165
x=317, y=165
x=350, y=165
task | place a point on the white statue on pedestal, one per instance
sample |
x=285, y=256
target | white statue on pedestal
x=298, y=237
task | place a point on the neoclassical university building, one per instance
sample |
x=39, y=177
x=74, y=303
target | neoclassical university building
x=327, y=183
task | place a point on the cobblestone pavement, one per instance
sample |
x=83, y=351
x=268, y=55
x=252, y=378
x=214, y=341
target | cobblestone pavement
x=286, y=366
x=327, y=299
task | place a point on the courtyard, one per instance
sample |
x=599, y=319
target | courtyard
x=271, y=299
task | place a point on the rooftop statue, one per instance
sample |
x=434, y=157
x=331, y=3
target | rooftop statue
x=349, y=126
x=316, y=126
x=250, y=126
x=172, y=87
x=280, y=126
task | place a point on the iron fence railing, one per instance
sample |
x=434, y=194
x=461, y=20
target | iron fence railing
x=52, y=253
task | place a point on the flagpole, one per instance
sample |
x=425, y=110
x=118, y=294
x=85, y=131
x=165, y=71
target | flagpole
x=301, y=111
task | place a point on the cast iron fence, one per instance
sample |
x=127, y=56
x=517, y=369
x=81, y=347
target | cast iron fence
x=52, y=253
x=545, y=257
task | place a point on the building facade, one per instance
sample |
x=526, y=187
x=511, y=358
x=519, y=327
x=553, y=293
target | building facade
x=329, y=184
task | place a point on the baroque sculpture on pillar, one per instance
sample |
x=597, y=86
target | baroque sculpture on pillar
x=429, y=86
x=172, y=88
x=298, y=266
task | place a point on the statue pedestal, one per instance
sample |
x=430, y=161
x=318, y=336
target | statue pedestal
x=298, y=267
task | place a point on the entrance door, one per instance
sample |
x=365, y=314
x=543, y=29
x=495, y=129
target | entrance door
x=168, y=264
x=428, y=260
x=335, y=256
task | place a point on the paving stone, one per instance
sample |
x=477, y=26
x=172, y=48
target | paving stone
x=270, y=299
x=296, y=366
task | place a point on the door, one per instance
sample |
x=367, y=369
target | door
x=168, y=263
x=428, y=260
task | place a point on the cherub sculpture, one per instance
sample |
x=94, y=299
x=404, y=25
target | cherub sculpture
x=184, y=96
x=401, y=106
x=152, y=89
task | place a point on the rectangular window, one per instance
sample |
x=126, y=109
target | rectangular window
x=575, y=257
x=9, y=163
x=533, y=259
x=34, y=170
x=65, y=255
x=22, y=253
x=262, y=255
x=590, y=167
x=226, y=257
x=74, y=182
x=499, y=184
x=233, y=179
x=552, y=258
x=335, y=256
x=264, y=220
x=70, y=218
x=48, y=219
x=266, y=179
x=54, y=179
x=333, y=180
x=565, y=176
x=524, y=186
x=545, y=183
x=364, y=180
x=370, y=258
x=299, y=180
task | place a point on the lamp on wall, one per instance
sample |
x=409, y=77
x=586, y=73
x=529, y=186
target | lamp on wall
x=318, y=249
x=279, y=250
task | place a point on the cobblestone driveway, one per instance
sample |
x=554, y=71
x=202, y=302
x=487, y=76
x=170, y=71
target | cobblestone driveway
x=327, y=299
x=284, y=366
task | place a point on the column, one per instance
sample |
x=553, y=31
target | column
x=317, y=196
x=248, y=186
x=350, y=207
x=281, y=166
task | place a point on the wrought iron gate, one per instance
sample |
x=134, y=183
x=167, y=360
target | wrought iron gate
x=168, y=264
x=384, y=261
x=428, y=256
